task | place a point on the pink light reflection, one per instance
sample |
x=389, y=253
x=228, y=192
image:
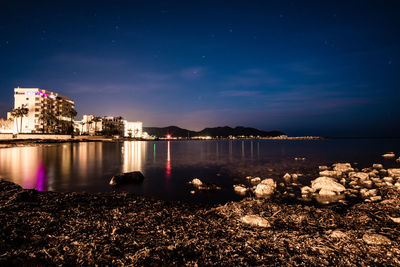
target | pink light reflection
x=41, y=180
x=168, y=170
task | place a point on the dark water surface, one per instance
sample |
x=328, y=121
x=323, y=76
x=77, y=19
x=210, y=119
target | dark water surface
x=169, y=165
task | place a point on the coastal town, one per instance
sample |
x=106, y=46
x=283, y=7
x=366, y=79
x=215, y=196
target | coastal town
x=44, y=114
x=39, y=111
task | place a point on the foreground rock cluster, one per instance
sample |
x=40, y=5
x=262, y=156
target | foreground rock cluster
x=47, y=228
x=339, y=183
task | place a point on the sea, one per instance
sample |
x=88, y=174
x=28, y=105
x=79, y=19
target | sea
x=169, y=166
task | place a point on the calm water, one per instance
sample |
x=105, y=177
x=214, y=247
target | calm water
x=168, y=166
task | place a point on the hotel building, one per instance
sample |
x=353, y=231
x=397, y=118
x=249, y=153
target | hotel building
x=39, y=103
x=133, y=129
x=109, y=125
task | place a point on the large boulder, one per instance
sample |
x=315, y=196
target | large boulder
x=126, y=178
x=327, y=185
x=265, y=188
x=342, y=167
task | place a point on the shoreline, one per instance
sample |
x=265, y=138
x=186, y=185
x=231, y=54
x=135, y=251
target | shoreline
x=7, y=143
x=43, y=228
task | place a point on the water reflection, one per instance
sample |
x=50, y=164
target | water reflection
x=168, y=167
x=133, y=153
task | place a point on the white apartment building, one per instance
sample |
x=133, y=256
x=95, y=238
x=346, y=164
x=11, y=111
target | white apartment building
x=89, y=124
x=40, y=103
x=133, y=129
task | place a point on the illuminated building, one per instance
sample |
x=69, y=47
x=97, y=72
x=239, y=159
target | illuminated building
x=40, y=103
x=133, y=129
x=90, y=124
x=109, y=126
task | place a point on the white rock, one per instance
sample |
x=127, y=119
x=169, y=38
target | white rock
x=330, y=173
x=388, y=179
x=255, y=220
x=287, y=177
x=323, y=168
x=363, y=192
x=265, y=188
x=396, y=220
x=196, y=182
x=255, y=180
x=326, y=192
x=359, y=175
x=240, y=189
x=367, y=183
x=249, y=177
x=306, y=190
x=377, y=166
x=375, y=239
x=394, y=172
x=372, y=192
x=397, y=185
x=269, y=181
x=389, y=155
x=375, y=198
x=398, y=160
x=327, y=183
x=295, y=176
x=342, y=167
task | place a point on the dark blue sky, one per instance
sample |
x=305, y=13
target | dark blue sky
x=304, y=67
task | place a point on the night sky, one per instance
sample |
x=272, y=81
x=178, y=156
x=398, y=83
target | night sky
x=327, y=68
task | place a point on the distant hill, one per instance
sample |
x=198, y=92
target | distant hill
x=213, y=132
x=172, y=130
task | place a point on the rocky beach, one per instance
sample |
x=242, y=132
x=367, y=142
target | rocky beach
x=357, y=222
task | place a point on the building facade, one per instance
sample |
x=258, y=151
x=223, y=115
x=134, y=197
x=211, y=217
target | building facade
x=47, y=111
x=133, y=129
x=90, y=125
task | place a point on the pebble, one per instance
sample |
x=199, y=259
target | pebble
x=255, y=220
x=389, y=155
x=377, y=166
x=338, y=234
x=375, y=198
x=376, y=239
